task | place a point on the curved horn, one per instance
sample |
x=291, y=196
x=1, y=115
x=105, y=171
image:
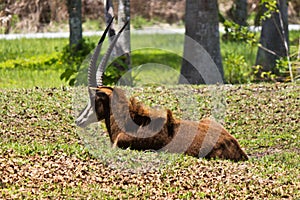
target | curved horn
x=88, y=115
x=106, y=56
x=92, y=67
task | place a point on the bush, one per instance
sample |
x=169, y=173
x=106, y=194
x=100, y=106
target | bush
x=138, y=22
x=113, y=73
x=35, y=62
x=236, y=69
x=73, y=60
x=235, y=32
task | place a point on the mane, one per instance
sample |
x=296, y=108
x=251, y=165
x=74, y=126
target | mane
x=136, y=119
x=139, y=113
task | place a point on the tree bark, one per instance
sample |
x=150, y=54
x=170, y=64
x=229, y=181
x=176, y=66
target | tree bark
x=123, y=17
x=202, y=65
x=274, y=39
x=75, y=23
x=239, y=12
x=123, y=44
x=122, y=48
x=109, y=14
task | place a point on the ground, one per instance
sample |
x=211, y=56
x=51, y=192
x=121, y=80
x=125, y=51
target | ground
x=43, y=155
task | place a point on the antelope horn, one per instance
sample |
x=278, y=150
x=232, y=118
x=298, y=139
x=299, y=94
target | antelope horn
x=92, y=67
x=105, y=58
x=88, y=115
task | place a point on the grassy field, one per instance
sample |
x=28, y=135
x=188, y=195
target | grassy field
x=28, y=49
x=24, y=50
x=43, y=154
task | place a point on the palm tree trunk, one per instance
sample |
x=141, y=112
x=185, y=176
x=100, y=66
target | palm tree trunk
x=202, y=29
x=75, y=23
x=274, y=39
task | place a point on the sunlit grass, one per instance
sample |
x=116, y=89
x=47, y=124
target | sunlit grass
x=24, y=48
x=42, y=156
x=144, y=47
x=29, y=78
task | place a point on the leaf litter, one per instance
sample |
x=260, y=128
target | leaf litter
x=41, y=155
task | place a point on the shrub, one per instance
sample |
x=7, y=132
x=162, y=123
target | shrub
x=235, y=32
x=35, y=62
x=236, y=69
x=73, y=60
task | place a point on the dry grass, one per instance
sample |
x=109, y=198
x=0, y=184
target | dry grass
x=41, y=155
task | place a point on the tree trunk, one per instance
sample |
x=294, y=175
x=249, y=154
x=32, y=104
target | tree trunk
x=274, y=39
x=123, y=17
x=202, y=61
x=122, y=48
x=123, y=44
x=239, y=12
x=75, y=23
x=109, y=14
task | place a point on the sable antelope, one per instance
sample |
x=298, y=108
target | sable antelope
x=131, y=125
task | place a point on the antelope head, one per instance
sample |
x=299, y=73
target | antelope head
x=88, y=114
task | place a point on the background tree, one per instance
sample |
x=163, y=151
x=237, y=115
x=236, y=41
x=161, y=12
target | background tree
x=122, y=48
x=75, y=23
x=274, y=35
x=123, y=45
x=202, y=25
x=74, y=54
x=123, y=17
x=238, y=12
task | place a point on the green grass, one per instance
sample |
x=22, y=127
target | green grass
x=25, y=48
x=157, y=48
x=161, y=49
x=44, y=155
x=236, y=48
x=28, y=78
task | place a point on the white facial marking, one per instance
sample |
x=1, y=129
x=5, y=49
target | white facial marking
x=87, y=116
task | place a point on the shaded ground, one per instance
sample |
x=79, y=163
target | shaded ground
x=41, y=155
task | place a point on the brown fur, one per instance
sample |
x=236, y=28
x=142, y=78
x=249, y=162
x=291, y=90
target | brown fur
x=131, y=125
